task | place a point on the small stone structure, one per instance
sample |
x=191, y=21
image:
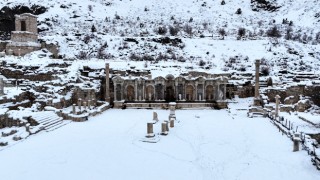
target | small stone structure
x=25, y=37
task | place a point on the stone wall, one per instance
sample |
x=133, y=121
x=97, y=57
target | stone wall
x=20, y=50
x=30, y=22
x=295, y=92
x=18, y=36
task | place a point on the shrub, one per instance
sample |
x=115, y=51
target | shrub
x=223, y=2
x=82, y=55
x=162, y=30
x=222, y=32
x=188, y=29
x=288, y=35
x=202, y=63
x=239, y=11
x=274, y=32
x=241, y=32
x=265, y=70
x=86, y=39
x=174, y=30
x=93, y=29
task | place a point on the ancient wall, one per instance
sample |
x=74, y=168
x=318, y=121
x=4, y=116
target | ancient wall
x=18, y=36
x=29, y=20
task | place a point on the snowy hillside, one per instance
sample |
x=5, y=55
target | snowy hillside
x=208, y=34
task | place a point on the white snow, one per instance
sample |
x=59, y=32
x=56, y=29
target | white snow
x=220, y=144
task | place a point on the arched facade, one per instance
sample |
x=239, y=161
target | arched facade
x=169, y=89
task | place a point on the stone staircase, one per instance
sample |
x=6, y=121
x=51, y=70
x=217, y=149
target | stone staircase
x=49, y=120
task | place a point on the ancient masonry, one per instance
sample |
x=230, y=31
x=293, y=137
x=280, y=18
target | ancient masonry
x=168, y=89
x=1, y=87
x=25, y=37
x=257, y=100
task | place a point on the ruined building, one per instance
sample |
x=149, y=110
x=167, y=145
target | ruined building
x=25, y=37
x=186, y=91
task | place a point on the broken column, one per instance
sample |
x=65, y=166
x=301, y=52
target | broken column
x=155, y=116
x=164, y=130
x=171, y=122
x=1, y=86
x=79, y=104
x=150, y=130
x=277, y=105
x=296, y=142
x=172, y=107
x=107, y=83
x=256, y=91
x=74, y=109
x=85, y=105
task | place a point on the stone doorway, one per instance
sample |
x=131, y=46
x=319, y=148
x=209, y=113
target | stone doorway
x=170, y=97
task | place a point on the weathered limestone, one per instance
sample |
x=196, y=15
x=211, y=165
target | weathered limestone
x=150, y=130
x=79, y=104
x=257, y=85
x=277, y=105
x=172, y=107
x=171, y=122
x=164, y=129
x=25, y=37
x=85, y=105
x=74, y=109
x=155, y=116
x=1, y=87
x=107, y=83
x=296, y=144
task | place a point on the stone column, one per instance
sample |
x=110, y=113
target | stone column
x=107, y=96
x=74, y=109
x=143, y=91
x=89, y=104
x=115, y=91
x=136, y=90
x=172, y=107
x=155, y=116
x=150, y=130
x=1, y=87
x=79, y=104
x=277, y=105
x=164, y=130
x=171, y=122
x=296, y=143
x=85, y=105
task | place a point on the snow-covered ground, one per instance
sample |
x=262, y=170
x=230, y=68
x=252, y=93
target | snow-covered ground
x=206, y=144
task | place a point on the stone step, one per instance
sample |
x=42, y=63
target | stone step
x=42, y=121
x=56, y=126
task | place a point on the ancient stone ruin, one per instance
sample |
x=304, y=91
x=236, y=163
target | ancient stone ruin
x=25, y=37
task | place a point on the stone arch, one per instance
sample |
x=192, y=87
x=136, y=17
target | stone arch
x=189, y=93
x=150, y=93
x=130, y=93
x=209, y=93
